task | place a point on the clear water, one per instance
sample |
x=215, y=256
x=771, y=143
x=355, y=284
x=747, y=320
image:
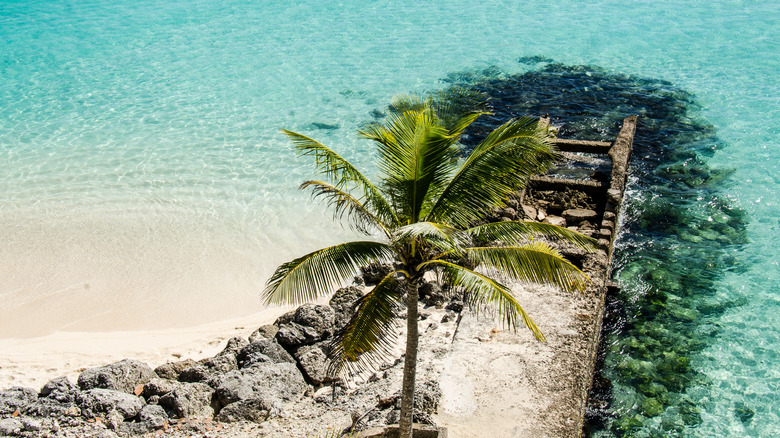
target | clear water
x=145, y=182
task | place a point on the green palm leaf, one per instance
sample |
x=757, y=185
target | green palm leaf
x=369, y=338
x=342, y=173
x=500, y=165
x=318, y=273
x=484, y=292
x=442, y=237
x=417, y=156
x=344, y=203
x=535, y=262
x=519, y=232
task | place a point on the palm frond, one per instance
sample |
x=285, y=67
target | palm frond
x=342, y=173
x=318, y=273
x=484, y=292
x=368, y=339
x=417, y=155
x=519, y=232
x=534, y=262
x=343, y=203
x=441, y=236
x=500, y=165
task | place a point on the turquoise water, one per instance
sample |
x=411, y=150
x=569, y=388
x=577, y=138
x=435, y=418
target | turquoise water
x=145, y=182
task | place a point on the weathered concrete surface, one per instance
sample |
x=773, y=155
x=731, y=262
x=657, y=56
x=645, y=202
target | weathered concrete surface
x=503, y=384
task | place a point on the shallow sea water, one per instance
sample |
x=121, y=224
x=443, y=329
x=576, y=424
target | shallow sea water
x=143, y=175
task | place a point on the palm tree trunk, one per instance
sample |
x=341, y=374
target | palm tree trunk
x=410, y=362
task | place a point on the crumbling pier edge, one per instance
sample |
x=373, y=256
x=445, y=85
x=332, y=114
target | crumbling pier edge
x=612, y=195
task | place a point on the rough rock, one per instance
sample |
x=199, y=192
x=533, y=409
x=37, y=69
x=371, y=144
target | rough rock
x=262, y=351
x=102, y=401
x=318, y=317
x=196, y=374
x=555, y=220
x=114, y=420
x=432, y=294
x=158, y=387
x=267, y=331
x=234, y=345
x=48, y=407
x=16, y=397
x=189, y=400
x=60, y=389
x=374, y=273
x=222, y=363
x=314, y=363
x=509, y=213
x=122, y=376
x=455, y=306
x=209, y=368
x=343, y=303
x=574, y=216
x=427, y=397
x=10, y=427
x=273, y=381
x=530, y=212
x=153, y=417
x=285, y=319
x=171, y=370
x=254, y=410
x=293, y=335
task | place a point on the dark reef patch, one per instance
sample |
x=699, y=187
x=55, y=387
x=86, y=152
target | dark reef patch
x=678, y=238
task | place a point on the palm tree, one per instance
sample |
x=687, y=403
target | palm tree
x=421, y=216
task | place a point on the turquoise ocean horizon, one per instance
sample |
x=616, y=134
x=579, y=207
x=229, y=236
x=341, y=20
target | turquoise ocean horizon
x=145, y=182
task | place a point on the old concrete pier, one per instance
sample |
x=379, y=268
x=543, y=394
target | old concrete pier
x=501, y=383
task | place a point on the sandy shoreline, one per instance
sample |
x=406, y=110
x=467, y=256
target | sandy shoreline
x=32, y=362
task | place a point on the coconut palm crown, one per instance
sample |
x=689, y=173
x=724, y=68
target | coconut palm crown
x=421, y=218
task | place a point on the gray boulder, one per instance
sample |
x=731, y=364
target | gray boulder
x=60, y=389
x=267, y=331
x=262, y=351
x=314, y=363
x=153, y=417
x=98, y=401
x=223, y=362
x=234, y=345
x=254, y=410
x=158, y=387
x=122, y=376
x=432, y=294
x=48, y=407
x=293, y=335
x=374, y=273
x=343, y=303
x=311, y=323
x=16, y=397
x=285, y=319
x=198, y=373
x=273, y=381
x=209, y=368
x=189, y=400
x=320, y=318
x=171, y=370
x=11, y=427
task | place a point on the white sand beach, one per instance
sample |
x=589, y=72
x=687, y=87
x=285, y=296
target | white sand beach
x=32, y=362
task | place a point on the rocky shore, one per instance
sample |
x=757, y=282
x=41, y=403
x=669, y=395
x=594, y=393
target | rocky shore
x=275, y=383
